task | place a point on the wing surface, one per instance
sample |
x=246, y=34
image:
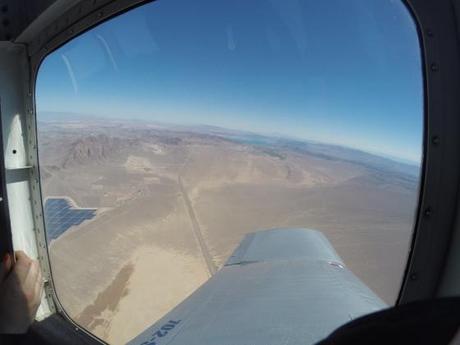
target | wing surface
x=280, y=286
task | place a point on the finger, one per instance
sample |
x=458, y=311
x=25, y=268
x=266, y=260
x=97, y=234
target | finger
x=38, y=291
x=22, y=266
x=5, y=266
x=39, y=281
x=32, y=276
x=21, y=256
x=8, y=262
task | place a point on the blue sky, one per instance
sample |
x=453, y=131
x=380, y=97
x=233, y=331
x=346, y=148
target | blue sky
x=342, y=72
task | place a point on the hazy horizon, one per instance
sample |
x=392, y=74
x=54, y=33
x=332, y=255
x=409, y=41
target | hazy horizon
x=415, y=163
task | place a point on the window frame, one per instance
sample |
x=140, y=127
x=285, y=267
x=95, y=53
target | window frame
x=6, y=238
x=440, y=175
x=440, y=167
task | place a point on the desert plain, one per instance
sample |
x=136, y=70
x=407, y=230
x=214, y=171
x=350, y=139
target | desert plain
x=173, y=202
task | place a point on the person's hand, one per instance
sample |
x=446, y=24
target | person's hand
x=21, y=288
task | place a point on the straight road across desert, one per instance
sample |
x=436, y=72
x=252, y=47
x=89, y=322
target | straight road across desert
x=196, y=230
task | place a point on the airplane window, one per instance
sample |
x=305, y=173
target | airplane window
x=168, y=133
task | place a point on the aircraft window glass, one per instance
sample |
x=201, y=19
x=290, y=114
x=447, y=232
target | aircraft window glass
x=168, y=133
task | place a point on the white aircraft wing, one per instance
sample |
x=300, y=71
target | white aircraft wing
x=280, y=286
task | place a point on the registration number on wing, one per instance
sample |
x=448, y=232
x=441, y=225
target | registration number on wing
x=162, y=332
